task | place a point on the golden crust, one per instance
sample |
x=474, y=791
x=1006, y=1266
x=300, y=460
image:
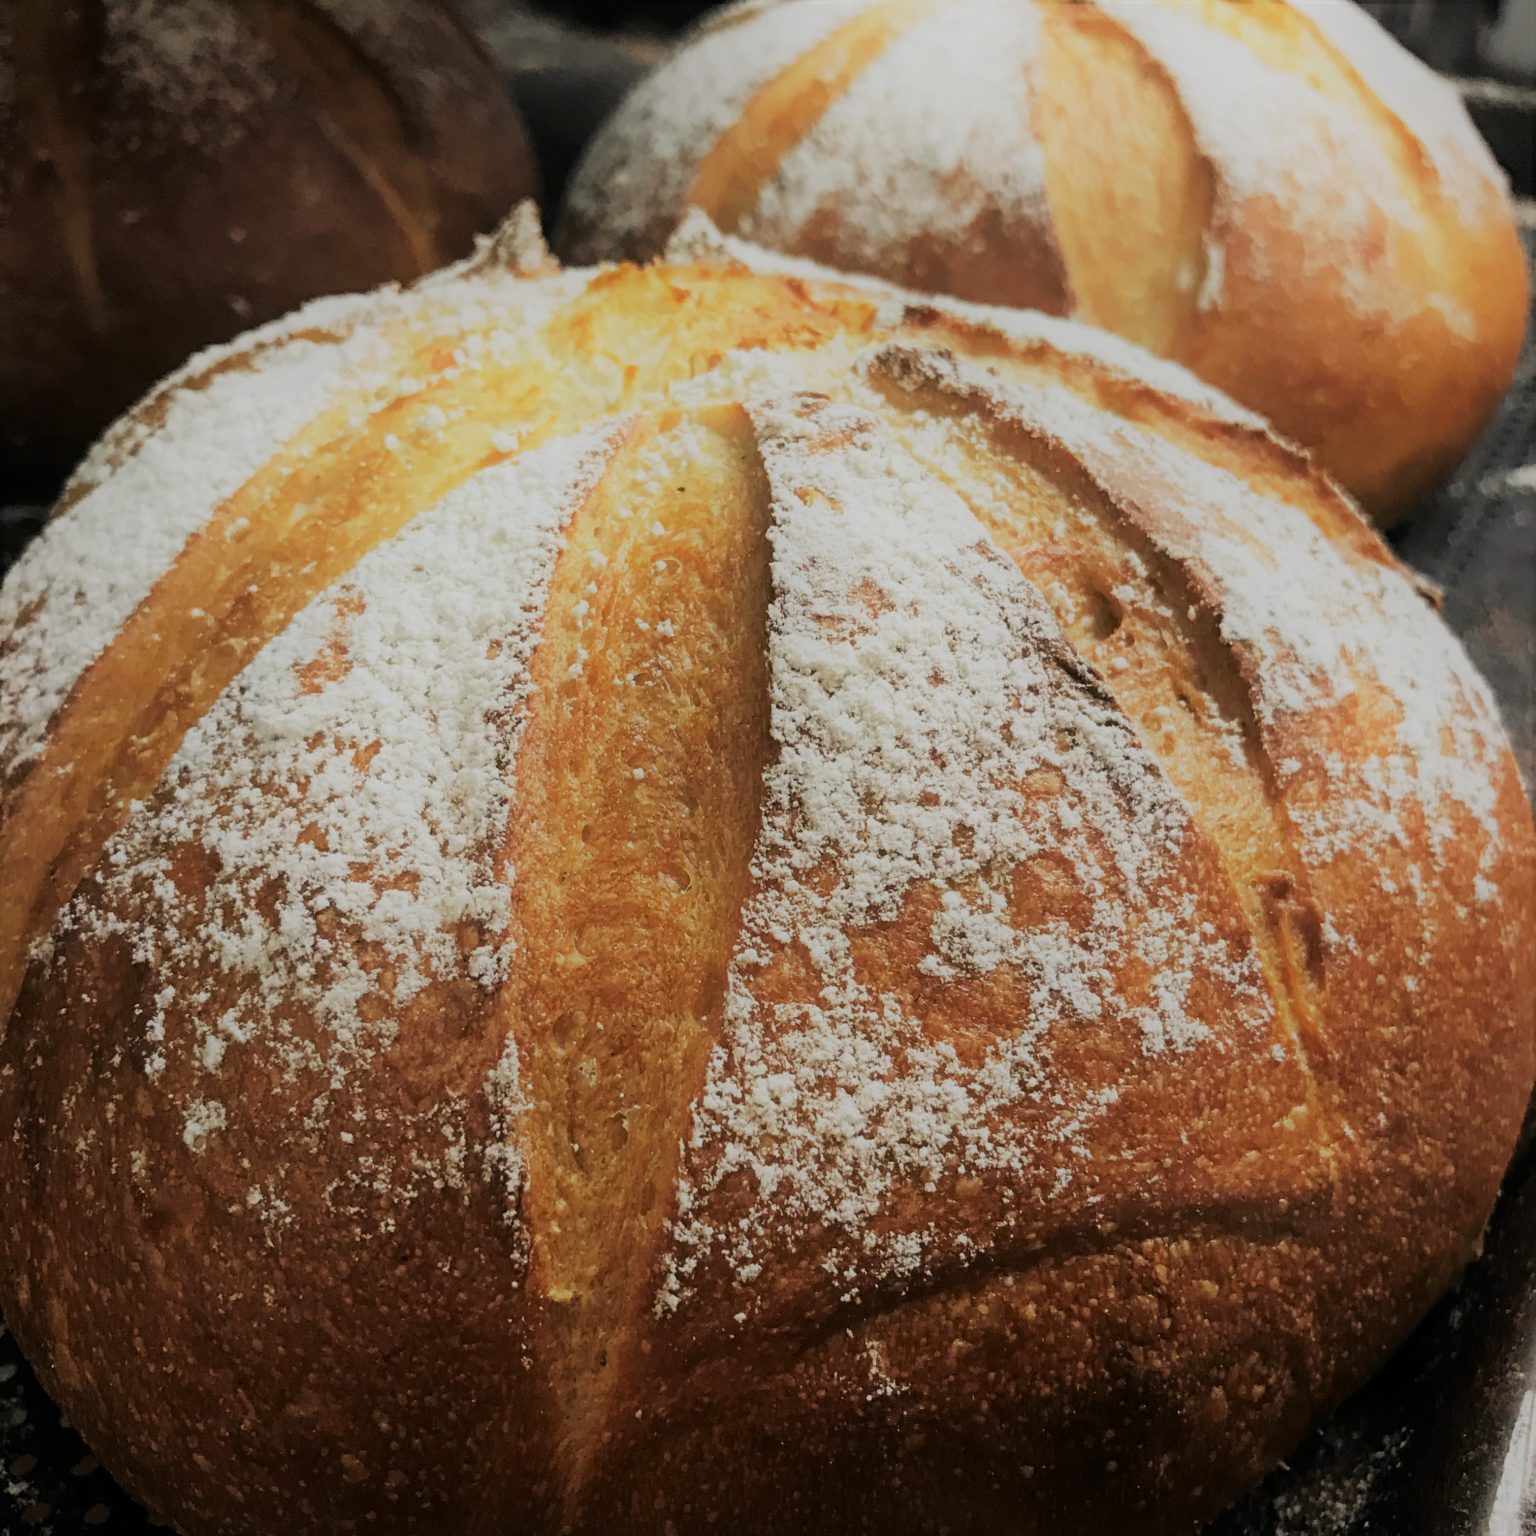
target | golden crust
x=1274, y=194
x=810, y=913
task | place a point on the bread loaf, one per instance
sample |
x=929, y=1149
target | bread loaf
x=173, y=172
x=690, y=898
x=1275, y=194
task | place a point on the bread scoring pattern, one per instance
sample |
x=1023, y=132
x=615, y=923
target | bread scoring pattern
x=1274, y=193
x=625, y=819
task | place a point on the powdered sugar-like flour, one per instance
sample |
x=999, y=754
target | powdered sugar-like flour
x=349, y=794
x=916, y=691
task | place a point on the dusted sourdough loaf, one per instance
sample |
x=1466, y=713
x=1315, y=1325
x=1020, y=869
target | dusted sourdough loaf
x=684, y=899
x=175, y=171
x=1275, y=194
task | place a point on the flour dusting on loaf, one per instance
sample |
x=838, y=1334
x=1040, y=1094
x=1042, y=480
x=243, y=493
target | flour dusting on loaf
x=158, y=478
x=934, y=171
x=1281, y=589
x=203, y=66
x=749, y=860
x=351, y=796
x=678, y=120
x=1276, y=195
x=1265, y=130
x=919, y=688
x=1425, y=103
x=233, y=410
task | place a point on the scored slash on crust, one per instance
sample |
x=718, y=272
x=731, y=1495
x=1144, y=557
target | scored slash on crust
x=688, y=803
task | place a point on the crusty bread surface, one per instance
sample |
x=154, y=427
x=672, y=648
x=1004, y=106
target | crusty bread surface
x=173, y=172
x=1272, y=192
x=689, y=898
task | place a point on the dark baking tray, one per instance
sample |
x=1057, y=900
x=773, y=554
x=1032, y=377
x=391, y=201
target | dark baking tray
x=1442, y=1442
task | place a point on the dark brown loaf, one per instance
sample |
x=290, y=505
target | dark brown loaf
x=174, y=171
x=1272, y=192
x=682, y=899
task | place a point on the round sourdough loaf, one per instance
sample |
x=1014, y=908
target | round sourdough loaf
x=1275, y=194
x=689, y=898
x=174, y=171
